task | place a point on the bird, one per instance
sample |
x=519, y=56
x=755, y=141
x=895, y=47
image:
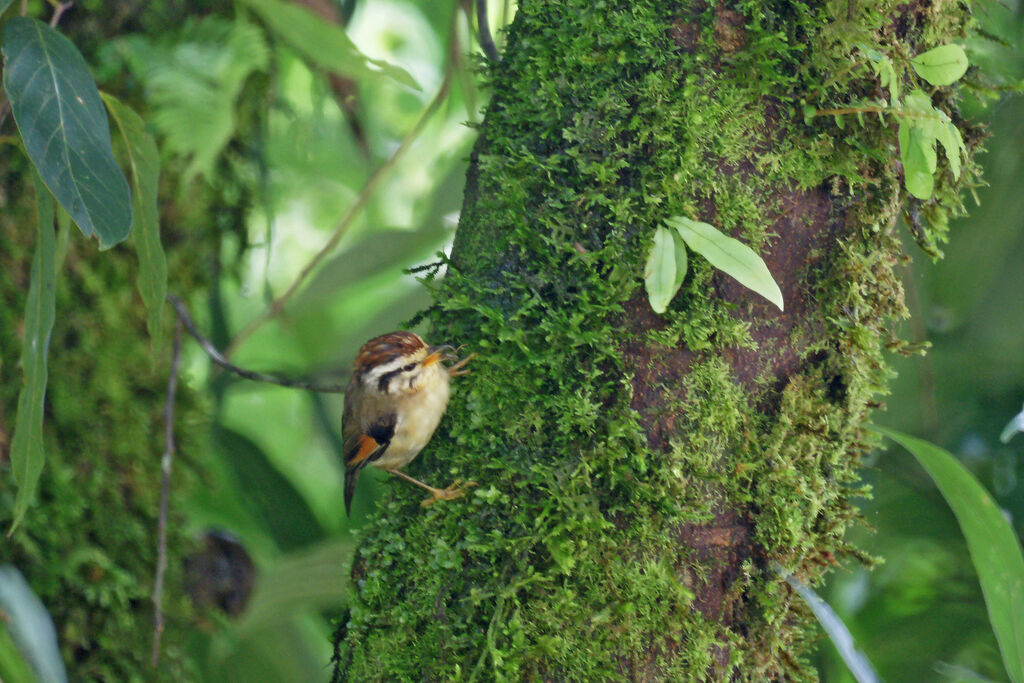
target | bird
x=394, y=401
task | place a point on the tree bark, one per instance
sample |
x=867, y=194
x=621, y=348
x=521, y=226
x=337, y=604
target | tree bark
x=639, y=473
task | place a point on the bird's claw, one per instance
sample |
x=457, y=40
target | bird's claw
x=456, y=490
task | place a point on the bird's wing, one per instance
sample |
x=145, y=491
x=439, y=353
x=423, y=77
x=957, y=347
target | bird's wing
x=363, y=446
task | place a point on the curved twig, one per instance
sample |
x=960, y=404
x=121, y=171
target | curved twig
x=165, y=490
x=218, y=358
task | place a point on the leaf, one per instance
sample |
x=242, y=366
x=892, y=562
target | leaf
x=27, y=451
x=64, y=126
x=30, y=626
x=4, y=4
x=949, y=135
x=914, y=153
x=322, y=42
x=268, y=495
x=941, y=65
x=192, y=87
x=660, y=271
x=730, y=256
x=992, y=543
x=838, y=633
x=1013, y=426
x=144, y=161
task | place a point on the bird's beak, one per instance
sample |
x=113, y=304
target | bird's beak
x=437, y=353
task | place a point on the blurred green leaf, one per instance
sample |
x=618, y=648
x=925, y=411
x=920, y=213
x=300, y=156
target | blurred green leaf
x=193, y=85
x=30, y=626
x=13, y=667
x=144, y=160
x=941, y=65
x=4, y=4
x=27, y=450
x=322, y=42
x=64, y=126
x=308, y=578
x=661, y=269
x=993, y=545
x=730, y=256
x=268, y=495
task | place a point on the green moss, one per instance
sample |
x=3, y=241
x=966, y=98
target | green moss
x=567, y=562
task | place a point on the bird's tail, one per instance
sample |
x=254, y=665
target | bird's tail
x=351, y=474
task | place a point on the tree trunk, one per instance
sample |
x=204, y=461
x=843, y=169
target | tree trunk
x=639, y=473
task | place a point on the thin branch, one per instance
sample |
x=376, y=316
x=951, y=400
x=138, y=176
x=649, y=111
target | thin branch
x=165, y=491
x=218, y=358
x=483, y=29
x=278, y=304
x=58, y=11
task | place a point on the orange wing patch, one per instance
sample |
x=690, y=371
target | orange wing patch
x=367, y=445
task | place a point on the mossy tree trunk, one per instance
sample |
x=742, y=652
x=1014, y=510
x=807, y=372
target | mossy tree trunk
x=638, y=474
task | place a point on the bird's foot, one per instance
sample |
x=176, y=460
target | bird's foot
x=456, y=490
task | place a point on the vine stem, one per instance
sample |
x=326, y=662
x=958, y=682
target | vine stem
x=277, y=305
x=217, y=357
x=165, y=490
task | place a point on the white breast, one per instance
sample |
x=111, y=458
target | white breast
x=418, y=417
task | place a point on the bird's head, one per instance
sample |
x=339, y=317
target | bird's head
x=400, y=363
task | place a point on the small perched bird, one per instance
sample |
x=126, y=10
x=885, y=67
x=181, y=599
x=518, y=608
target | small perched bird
x=394, y=402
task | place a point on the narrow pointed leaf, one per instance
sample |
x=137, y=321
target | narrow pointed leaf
x=992, y=543
x=144, y=162
x=31, y=626
x=27, y=452
x=660, y=271
x=949, y=135
x=1012, y=427
x=730, y=256
x=322, y=42
x=942, y=65
x=64, y=126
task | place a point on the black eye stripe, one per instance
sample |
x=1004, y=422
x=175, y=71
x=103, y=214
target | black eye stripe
x=385, y=379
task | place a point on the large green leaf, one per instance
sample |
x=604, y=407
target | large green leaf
x=144, y=160
x=27, y=451
x=942, y=65
x=64, y=126
x=30, y=626
x=269, y=496
x=995, y=550
x=730, y=256
x=322, y=42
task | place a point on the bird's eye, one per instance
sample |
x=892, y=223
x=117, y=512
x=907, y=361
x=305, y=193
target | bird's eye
x=408, y=367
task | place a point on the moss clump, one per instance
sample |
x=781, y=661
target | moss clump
x=638, y=473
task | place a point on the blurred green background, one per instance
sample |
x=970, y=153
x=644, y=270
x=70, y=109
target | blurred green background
x=271, y=473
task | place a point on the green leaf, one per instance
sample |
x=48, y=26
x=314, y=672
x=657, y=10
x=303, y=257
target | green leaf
x=27, y=451
x=949, y=135
x=322, y=42
x=941, y=65
x=661, y=273
x=192, y=87
x=64, y=126
x=992, y=543
x=31, y=627
x=917, y=152
x=144, y=161
x=730, y=256
x=4, y=4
